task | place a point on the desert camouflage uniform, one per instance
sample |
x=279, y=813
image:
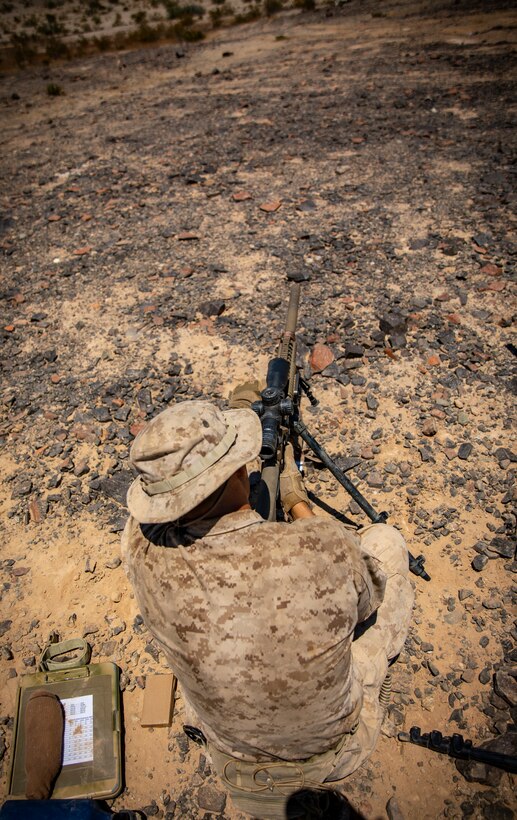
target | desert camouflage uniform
x=257, y=621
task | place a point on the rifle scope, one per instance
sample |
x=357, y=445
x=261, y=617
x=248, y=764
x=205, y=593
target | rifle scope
x=274, y=405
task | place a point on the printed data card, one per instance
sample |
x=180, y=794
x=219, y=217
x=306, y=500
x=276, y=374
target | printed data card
x=78, y=739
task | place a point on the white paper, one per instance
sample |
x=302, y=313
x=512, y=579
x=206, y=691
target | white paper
x=78, y=739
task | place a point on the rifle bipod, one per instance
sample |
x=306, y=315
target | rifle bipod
x=416, y=565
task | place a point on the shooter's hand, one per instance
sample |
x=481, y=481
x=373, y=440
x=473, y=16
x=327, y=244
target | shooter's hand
x=292, y=489
x=245, y=394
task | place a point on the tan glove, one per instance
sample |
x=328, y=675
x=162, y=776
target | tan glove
x=292, y=489
x=244, y=394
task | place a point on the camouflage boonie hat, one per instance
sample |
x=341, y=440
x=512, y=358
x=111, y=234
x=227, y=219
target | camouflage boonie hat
x=184, y=454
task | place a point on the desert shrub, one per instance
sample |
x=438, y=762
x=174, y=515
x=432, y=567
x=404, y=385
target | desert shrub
x=216, y=17
x=194, y=10
x=189, y=35
x=82, y=46
x=254, y=13
x=56, y=49
x=94, y=6
x=54, y=90
x=120, y=40
x=305, y=5
x=23, y=49
x=173, y=9
x=139, y=17
x=148, y=34
x=102, y=43
x=272, y=6
x=51, y=27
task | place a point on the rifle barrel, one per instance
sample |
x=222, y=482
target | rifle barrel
x=292, y=310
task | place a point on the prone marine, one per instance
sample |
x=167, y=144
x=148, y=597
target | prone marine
x=279, y=633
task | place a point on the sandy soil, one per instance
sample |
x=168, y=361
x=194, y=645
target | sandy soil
x=132, y=201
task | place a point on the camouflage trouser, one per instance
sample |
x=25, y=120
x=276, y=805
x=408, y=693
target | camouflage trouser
x=379, y=643
x=261, y=789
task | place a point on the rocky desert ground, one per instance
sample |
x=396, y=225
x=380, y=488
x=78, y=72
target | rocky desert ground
x=156, y=204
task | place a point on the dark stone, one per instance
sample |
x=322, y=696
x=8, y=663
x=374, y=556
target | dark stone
x=426, y=454
x=393, y=321
x=354, y=351
x=476, y=772
x=182, y=743
x=393, y=809
x=505, y=685
x=210, y=799
x=101, y=414
x=23, y=488
x=153, y=651
x=213, y=307
x=433, y=668
x=346, y=463
x=479, y=563
x=306, y=206
x=396, y=715
x=4, y=627
x=116, y=486
x=298, y=275
x=122, y=413
x=332, y=371
x=502, y=546
x=417, y=245
x=497, y=811
x=138, y=624
x=464, y=451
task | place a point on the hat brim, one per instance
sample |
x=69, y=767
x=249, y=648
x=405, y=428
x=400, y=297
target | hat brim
x=169, y=506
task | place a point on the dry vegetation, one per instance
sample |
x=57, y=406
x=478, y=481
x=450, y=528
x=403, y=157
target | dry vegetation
x=55, y=30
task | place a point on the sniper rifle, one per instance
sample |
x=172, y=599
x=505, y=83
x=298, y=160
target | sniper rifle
x=279, y=413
